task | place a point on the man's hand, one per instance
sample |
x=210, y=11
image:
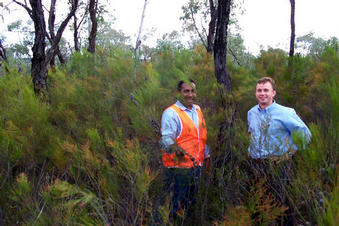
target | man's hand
x=177, y=150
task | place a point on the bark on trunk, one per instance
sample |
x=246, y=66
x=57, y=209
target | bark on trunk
x=3, y=56
x=39, y=69
x=211, y=28
x=75, y=33
x=51, y=22
x=40, y=59
x=292, y=40
x=291, y=53
x=93, y=5
x=220, y=44
x=226, y=134
x=60, y=57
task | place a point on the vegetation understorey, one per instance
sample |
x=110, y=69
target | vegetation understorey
x=85, y=152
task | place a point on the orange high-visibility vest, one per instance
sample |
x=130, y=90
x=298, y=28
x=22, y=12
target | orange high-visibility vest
x=191, y=139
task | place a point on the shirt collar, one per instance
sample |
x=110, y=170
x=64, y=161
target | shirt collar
x=269, y=108
x=182, y=107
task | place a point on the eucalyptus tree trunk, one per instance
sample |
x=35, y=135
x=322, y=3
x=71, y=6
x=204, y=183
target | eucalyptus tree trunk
x=41, y=59
x=211, y=27
x=3, y=56
x=75, y=33
x=226, y=133
x=93, y=7
x=39, y=68
x=220, y=44
x=292, y=40
x=291, y=53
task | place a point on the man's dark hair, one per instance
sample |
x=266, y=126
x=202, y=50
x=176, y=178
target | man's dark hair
x=182, y=82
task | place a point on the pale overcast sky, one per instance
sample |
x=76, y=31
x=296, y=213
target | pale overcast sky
x=264, y=23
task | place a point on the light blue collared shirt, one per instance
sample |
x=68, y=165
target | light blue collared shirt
x=171, y=126
x=272, y=128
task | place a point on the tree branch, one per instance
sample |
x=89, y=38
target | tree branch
x=56, y=40
x=25, y=7
x=83, y=17
x=196, y=28
x=234, y=56
x=51, y=19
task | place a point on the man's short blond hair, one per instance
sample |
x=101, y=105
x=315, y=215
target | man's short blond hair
x=267, y=79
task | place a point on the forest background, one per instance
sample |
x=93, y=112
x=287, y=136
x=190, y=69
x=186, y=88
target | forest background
x=79, y=144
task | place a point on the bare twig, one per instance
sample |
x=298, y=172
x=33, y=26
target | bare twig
x=25, y=6
x=138, y=41
x=196, y=28
x=234, y=56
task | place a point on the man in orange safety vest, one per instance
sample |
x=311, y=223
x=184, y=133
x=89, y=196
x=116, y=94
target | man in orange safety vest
x=184, y=149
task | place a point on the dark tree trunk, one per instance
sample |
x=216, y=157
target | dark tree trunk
x=40, y=59
x=55, y=39
x=60, y=56
x=93, y=6
x=211, y=27
x=39, y=69
x=291, y=53
x=220, y=44
x=51, y=21
x=75, y=33
x=226, y=133
x=3, y=56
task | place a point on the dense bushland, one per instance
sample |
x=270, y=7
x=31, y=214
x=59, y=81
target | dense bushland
x=88, y=152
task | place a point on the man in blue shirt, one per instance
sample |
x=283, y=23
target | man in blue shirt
x=272, y=128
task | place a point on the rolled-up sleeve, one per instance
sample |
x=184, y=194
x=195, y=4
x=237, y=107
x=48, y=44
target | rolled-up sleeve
x=170, y=129
x=295, y=124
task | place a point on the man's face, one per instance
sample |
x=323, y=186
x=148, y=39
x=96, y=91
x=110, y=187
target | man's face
x=264, y=93
x=187, y=95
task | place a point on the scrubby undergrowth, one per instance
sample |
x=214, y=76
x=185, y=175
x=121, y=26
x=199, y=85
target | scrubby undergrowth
x=88, y=153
